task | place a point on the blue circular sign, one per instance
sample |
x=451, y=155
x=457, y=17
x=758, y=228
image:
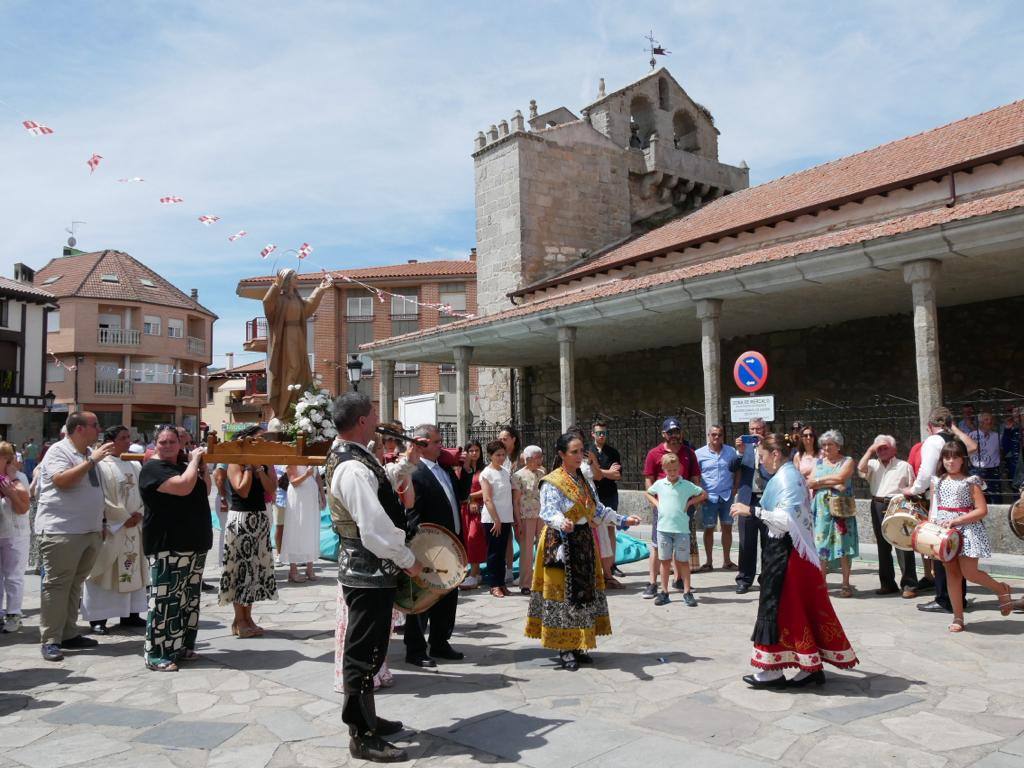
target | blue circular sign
x=750, y=371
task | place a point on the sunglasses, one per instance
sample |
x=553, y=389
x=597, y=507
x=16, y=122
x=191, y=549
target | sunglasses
x=673, y=431
x=600, y=432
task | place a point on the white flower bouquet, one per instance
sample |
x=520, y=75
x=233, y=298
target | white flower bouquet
x=313, y=415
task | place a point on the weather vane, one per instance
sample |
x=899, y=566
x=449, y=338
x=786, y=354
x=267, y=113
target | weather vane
x=655, y=48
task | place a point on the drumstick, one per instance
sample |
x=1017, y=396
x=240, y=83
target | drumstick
x=428, y=569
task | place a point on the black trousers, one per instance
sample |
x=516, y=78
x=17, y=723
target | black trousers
x=366, y=647
x=751, y=531
x=496, y=545
x=437, y=623
x=941, y=588
x=907, y=560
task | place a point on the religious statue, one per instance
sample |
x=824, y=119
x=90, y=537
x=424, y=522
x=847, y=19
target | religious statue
x=287, y=353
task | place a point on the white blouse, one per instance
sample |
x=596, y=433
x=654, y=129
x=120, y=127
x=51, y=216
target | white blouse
x=501, y=493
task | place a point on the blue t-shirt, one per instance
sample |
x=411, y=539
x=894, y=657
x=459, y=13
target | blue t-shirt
x=672, y=498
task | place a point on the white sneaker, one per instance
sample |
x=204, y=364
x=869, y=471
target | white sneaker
x=12, y=622
x=470, y=582
x=509, y=573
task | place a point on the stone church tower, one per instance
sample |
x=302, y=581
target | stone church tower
x=555, y=192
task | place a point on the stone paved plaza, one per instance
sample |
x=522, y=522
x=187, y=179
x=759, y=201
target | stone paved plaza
x=665, y=688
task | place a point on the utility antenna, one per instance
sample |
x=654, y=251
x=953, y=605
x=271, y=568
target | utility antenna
x=654, y=48
x=72, y=242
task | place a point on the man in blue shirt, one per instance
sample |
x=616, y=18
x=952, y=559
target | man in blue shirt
x=719, y=475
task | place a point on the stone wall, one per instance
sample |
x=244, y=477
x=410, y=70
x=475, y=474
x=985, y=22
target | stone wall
x=22, y=423
x=851, y=362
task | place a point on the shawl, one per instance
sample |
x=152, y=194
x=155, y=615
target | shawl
x=787, y=492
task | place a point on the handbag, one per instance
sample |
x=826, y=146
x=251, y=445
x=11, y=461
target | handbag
x=841, y=506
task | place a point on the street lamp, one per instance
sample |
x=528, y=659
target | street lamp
x=49, y=397
x=355, y=371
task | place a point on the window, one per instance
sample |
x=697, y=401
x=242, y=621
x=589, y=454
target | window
x=3, y=313
x=209, y=395
x=107, y=371
x=52, y=280
x=407, y=369
x=359, y=307
x=53, y=323
x=403, y=303
x=453, y=294
x=175, y=328
x=446, y=373
x=367, y=365
x=406, y=385
x=152, y=373
x=151, y=325
x=54, y=372
x=110, y=279
x=360, y=333
x=401, y=327
x=147, y=282
x=684, y=132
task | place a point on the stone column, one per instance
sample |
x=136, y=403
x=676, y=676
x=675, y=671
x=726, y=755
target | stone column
x=708, y=312
x=519, y=395
x=567, y=371
x=386, y=370
x=463, y=415
x=921, y=275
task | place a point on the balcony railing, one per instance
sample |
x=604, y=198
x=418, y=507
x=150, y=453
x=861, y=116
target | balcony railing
x=184, y=390
x=256, y=329
x=196, y=346
x=119, y=337
x=115, y=387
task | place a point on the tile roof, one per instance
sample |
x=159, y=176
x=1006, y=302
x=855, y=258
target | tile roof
x=81, y=277
x=899, y=225
x=965, y=143
x=460, y=268
x=258, y=366
x=25, y=291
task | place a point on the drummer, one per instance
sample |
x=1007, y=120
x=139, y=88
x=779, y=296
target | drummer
x=886, y=474
x=370, y=519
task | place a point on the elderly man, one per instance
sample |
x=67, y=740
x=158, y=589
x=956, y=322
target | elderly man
x=886, y=474
x=751, y=485
x=720, y=477
x=985, y=461
x=69, y=524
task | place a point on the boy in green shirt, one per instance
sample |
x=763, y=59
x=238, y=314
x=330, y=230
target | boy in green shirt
x=672, y=495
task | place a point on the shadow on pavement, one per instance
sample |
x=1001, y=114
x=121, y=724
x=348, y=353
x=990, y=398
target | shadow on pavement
x=511, y=735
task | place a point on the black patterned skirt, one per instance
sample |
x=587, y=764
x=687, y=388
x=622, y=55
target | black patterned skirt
x=248, y=574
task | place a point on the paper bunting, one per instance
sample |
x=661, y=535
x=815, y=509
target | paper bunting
x=93, y=162
x=304, y=250
x=268, y=249
x=171, y=200
x=132, y=180
x=36, y=129
x=445, y=309
x=238, y=234
x=208, y=220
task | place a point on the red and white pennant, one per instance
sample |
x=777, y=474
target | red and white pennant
x=36, y=129
x=268, y=249
x=93, y=162
x=304, y=250
x=171, y=200
x=131, y=180
x=208, y=220
x=238, y=234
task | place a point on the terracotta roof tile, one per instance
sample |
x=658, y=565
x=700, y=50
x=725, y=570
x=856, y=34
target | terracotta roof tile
x=81, y=276
x=891, y=165
x=258, y=366
x=461, y=268
x=890, y=227
x=26, y=291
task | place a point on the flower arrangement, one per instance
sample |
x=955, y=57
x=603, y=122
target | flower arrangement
x=313, y=415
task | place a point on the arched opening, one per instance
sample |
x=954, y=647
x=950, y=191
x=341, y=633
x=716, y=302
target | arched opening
x=663, y=94
x=684, y=130
x=641, y=122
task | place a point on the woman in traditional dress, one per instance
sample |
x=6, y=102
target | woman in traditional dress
x=176, y=534
x=568, y=609
x=835, y=537
x=796, y=625
x=116, y=587
x=474, y=535
x=248, y=574
x=300, y=544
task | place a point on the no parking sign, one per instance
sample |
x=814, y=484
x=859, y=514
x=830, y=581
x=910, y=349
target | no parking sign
x=750, y=371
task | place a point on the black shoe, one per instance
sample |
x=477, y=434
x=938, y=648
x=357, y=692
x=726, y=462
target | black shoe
x=568, y=661
x=890, y=589
x=582, y=657
x=933, y=607
x=388, y=727
x=923, y=585
x=98, y=627
x=375, y=749
x=420, y=660
x=650, y=591
x=817, y=678
x=616, y=571
x=209, y=587
x=753, y=682
x=51, y=652
x=80, y=641
x=678, y=584
x=447, y=653
x=662, y=599
x=689, y=599
x=742, y=589
x=133, y=621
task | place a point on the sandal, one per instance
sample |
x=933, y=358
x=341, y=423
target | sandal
x=610, y=582
x=244, y=633
x=161, y=665
x=957, y=625
x=234, y=629
x=1005, y=600
x=497, y=592
x=188, y=655
x=846, y=591
x=729, y=566
x=706, y=568
x=298, y=578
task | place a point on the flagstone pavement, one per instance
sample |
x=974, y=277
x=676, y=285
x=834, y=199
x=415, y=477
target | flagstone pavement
x=665, y=687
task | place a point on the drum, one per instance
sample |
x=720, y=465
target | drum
x=1016, y=518
x=932, y=540
x=444, y=562
x=901, y=518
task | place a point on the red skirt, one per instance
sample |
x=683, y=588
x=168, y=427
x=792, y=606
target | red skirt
x=809, y=631
x=474, y=537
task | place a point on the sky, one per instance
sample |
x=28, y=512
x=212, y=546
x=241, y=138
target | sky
x=350, y=125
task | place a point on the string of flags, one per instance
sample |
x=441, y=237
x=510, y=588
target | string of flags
x=133, y=369
x=302, y=253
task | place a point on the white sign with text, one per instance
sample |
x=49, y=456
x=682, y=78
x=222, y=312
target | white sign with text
x=747, y=408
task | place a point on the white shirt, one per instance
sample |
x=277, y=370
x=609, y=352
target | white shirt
x=987, y=455
x=501, y=494
x=931, y=450
x=13, y=526
x=885, y=480
x=446, y=483
x=356, y=487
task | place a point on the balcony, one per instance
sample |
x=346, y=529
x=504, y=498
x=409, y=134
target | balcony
x=196, y=346
x=185, y=390
x=256, y=334
x=118, y=337
x=113, y=387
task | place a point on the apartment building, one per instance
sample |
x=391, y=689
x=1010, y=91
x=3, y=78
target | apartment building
x=236, y=398
x=124, y=343
x=351, y=315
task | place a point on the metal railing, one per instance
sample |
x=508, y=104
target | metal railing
x=118, y=337
x=256, y=329
x=184, y=390
x=196, y=346
x=115, y=387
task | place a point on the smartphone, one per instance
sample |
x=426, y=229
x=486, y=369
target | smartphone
x=750, y=439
